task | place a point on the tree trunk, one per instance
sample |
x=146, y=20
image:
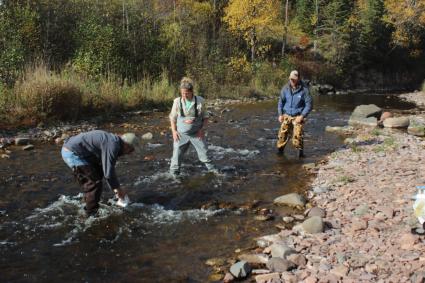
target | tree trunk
x=316, y=27
x=253, y=44
x=285, y=34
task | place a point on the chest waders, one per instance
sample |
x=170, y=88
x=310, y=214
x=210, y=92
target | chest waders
x=188, y=136
x=185, y=128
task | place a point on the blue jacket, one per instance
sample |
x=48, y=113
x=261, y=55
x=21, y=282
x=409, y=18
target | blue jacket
x=294, y=103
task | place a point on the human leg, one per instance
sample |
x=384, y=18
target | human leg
x=202, y=151
x=90, y=179
x=284, y=133
x=179, y=149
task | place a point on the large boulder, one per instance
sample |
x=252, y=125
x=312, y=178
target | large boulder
x=396, y=122
x=292, y=200
x=365, y=115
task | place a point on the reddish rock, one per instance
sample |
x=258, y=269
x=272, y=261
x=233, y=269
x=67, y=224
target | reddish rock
x=268, y=278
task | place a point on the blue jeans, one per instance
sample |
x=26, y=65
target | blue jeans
x=71, y=159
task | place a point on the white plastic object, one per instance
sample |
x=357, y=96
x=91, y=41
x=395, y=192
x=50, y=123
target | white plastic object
x=123, y=202
x=419, y=205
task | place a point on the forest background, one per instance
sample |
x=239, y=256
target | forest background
x=65, y=59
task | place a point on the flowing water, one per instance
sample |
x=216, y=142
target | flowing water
x=172, y=226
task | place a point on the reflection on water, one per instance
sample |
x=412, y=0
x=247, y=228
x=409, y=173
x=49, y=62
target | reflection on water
x=173, y=225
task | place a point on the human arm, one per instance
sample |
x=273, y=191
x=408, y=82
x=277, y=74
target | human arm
x=308, y=101
x=280, y=105
x=173, y=120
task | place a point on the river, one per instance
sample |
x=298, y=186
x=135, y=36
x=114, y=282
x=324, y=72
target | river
x=172, y=226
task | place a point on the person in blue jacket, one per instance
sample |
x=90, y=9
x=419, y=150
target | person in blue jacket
x=294, y=105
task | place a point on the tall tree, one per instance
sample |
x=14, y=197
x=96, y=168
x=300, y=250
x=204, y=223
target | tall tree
x=253, y=19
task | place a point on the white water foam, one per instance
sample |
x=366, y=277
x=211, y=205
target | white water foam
x=157, y=214
x=220, y=152
x=165, y=176
x=68, y=212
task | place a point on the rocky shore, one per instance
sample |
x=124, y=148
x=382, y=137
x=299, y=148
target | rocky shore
x=358, y=216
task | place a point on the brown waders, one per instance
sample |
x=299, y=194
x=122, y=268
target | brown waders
x=90, y=179
x=288, y=127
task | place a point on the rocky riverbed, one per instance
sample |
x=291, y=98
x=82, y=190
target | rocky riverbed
x=358, y=217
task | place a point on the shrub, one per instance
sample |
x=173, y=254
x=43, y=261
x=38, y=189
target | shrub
x=42, y=94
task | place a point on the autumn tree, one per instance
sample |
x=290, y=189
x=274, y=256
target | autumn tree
x=408, y=20
x=253, y=19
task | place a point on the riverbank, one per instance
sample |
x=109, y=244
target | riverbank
x=364, y=216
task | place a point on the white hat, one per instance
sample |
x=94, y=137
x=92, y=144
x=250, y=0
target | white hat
x=131, y=139
x=294, y=75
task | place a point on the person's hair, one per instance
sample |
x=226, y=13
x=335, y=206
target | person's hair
x=186, y=83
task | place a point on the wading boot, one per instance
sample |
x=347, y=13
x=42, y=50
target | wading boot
x=301, y=153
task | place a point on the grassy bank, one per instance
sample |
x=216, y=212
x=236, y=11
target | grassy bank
x=44, y=95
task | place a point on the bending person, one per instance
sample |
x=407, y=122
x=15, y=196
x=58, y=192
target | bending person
x=92, y=157
x=188, y=119
x=294, y=105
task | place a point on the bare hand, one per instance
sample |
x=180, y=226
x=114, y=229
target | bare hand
x=281, y=118
x=299, y=119
x=120, y=193
x=176, y=136
x=189, y=121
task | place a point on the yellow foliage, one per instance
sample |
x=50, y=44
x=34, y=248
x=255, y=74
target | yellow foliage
x=246, y=16
x=408, y=19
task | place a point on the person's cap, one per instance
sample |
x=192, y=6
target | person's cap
x=294, y=75
x=131, y=139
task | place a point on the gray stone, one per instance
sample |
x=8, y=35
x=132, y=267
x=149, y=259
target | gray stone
x=216, y=261
x=310, y=226
x=147, y=136
x=397, y=122
x=277, y=264
x=341, y=130
x=418, y=277
x=320, y=190
x=361, y=210
x=240, y=269
x=281, y=250
x=316, y=211
x=268, y=278
x=416, y=126
x=359, y=121
x=22, y=141
x=288, y=219
x=366, y=111
x=28, y=147
x=298, y=259
x=254, y=258
x=293, y=200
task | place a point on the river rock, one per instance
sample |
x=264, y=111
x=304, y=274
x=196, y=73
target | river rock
x=268, y=278
x=254, y=258
x=147, y=136
x=28, y=147
x=418, y=277
x=293, y=200
x=397, y=122
x=240, y=269
x=416, y=127
x=316, y=211
x=298, y=259
x=228, y=278
x=288, y=219
x=277, y=264
x=311, y=226
x=22, y=141
x=341, y=130
x=365, y=115
x=281, y=250
x=359, y=121
x=340, y=271
x=216, y=261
